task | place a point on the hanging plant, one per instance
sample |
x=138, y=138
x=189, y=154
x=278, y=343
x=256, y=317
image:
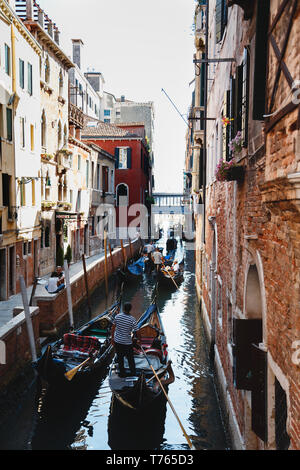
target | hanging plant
x=236, y=144
x=229, y=171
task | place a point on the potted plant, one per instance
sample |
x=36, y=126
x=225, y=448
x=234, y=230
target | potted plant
x=229, y=171
x=59, y=256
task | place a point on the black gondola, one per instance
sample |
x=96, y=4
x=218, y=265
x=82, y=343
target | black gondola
x=133, y=271
x=87, y=349
x=139, y=391
x=169, y=278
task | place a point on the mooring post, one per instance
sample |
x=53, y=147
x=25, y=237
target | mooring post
x=86, y=284
x=69, y=295
x=28, y=319
x=105, y=263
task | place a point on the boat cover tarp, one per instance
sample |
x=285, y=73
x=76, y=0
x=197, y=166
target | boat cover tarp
x=137, y=267
x=142, y=363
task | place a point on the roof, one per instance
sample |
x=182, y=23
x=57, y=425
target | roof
x=95, y=128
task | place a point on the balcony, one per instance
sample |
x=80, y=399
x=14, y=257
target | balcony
x=76, y=116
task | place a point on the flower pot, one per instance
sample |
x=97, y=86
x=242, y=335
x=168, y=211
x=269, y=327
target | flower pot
x=236, y=173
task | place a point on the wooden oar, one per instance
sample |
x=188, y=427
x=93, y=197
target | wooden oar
x=171, y=277
x=169, y=401
x=70, y=374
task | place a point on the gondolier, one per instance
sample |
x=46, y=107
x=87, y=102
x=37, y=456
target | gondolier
x=123, y=326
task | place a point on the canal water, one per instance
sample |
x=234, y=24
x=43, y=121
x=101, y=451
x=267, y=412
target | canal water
x=90, y=419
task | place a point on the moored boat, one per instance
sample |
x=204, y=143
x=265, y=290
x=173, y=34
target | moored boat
x=139, y=391
x=79, y=352
x=133, y=270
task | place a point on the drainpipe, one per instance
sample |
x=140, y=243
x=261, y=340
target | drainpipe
x=13, y=60
x=205, y=123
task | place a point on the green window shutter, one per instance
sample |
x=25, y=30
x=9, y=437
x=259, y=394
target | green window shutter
x=9, y=126
x=218, y=20
x=117, y=151
x=261, y=59
x=238, y=100
x=21, y=73
x=30, y=88
x=129, y=158
x=7, y=59
x=245, y=97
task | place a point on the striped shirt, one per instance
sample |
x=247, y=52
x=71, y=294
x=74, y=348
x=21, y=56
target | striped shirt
x=125, y=324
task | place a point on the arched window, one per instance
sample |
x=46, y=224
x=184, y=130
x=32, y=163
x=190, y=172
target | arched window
x=43, y=130
x=122, y=195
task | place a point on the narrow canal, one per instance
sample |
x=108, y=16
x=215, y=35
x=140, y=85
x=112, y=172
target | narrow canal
x=89, y=418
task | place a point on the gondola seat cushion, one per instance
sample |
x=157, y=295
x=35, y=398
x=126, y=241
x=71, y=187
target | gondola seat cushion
x=84, y=344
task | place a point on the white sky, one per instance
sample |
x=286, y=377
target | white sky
x=140, y=46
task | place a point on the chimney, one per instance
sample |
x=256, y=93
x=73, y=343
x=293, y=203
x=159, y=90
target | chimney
x=56, y=35
x=41, y=18
x=77, y=51
x=29, y=10
x=50, y=28
x=94, y=79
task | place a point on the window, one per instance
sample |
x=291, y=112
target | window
x=122, y=195
x=105, y=178
x=6, y=189
x=33, y=192
x=21, y=74
x=47, y=70
x=107, y=120
x=245, y=97
x=7, y=58
x=9, y=127
x=107, y=112
x=29, y=247
x=22, y=132
x=123, y=158
x=221, y=19
x=87, y=173
x=22, y=193
x=61, y=83
x=59, y=135
x=43, y=129
x=32, y=137
x=78, y=203
x=71, y=196
x=47, y=237
x=30, y=88
x=79, y=162
x=98, y=177
x=25, y=247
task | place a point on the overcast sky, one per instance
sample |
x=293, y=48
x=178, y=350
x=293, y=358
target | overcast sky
x=140, y=46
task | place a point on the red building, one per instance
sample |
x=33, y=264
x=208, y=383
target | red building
x=133, y=174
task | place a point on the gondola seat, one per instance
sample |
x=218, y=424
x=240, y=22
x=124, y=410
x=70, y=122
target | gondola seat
x=82, y=344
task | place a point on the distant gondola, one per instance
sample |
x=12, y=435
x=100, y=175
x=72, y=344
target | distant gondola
x=139, y=391
x=89, y=345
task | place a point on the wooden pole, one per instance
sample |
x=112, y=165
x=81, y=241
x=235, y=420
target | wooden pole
x=111, y=257
x=105, y=263
x=86, y=284
x=28, y=319
x=130, y=246
x=69, y=296
x=124, y=255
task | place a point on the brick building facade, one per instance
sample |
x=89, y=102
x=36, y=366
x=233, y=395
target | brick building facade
x=248, y=256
